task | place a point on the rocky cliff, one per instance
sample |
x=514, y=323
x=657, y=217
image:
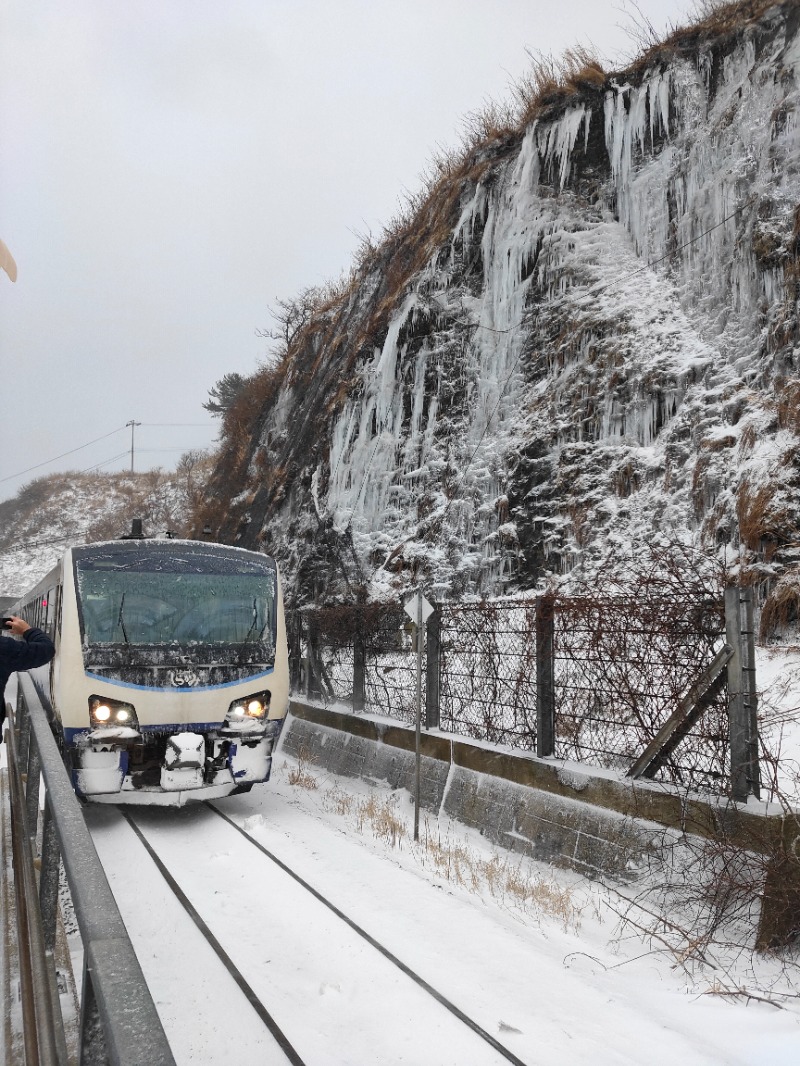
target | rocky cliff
x=582, y=337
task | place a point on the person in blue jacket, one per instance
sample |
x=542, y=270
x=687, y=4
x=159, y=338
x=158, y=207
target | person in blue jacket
x=35, y=649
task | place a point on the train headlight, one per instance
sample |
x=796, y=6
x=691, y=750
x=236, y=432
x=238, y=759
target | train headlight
x=106, y=712
x=247, y=711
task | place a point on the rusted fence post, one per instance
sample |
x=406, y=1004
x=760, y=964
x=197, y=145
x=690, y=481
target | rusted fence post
x=545, y=676
x=294, y=638
x=432, y=669
x=313, y=672
x=747, y=597
x=359, y=664
x=742, y=710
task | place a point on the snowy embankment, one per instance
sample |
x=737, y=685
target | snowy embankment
x=537, y=957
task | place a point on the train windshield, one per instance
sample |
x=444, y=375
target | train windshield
x=164, y=593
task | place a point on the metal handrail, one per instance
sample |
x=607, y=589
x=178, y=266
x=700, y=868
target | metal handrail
x=119, y=1024
x=41, y=1011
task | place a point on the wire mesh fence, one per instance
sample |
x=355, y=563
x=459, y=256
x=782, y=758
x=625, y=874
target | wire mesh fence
x=621, y=668
x=487, y=659
x=362, y=655
x=611, y=670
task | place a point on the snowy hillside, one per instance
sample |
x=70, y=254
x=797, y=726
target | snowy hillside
x=53, y=513
x=583, y=336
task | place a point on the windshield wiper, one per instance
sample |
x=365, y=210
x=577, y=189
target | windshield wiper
x=246, y=641
x=121, y=620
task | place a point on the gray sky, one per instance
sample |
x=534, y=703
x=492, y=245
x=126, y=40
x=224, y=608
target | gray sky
x=172, y=167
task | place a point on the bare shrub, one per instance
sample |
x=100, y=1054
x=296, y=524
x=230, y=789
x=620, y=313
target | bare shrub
x=788, y=406
x=781, y=608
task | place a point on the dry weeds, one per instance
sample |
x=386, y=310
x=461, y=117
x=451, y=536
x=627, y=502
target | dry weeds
x=300, y=774
x=510, y=880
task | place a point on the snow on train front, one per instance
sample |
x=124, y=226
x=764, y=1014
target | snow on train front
x=171, y=673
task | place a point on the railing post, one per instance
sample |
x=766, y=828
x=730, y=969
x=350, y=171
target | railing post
x=34, y=769
x=22, y=723
x=294, y=633
x=432, y=669
x=545, y=676
x=313, y=680
x=48, y=879
x=93, y=1043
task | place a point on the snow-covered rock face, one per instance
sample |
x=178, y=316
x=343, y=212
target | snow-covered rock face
x=600, y=345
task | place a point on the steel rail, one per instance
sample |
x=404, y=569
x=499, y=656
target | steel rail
x=119, y=1024
x=502, y=1050
x=252, y=998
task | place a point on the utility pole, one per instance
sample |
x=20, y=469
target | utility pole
x=133, y=426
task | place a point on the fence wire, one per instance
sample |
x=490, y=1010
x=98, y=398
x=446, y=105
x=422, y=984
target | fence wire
x=488, y=672
x=328, y=641
x=620, y=668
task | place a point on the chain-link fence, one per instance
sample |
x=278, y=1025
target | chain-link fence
x=363, y=655
x=586, y=678
x=487, y=660
x=621, y=668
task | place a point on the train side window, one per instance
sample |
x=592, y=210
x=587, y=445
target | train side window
x=50, y=613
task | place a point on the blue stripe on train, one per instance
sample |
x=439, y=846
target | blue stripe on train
x=182, y=691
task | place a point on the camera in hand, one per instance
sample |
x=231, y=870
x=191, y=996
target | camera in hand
x=6, y=623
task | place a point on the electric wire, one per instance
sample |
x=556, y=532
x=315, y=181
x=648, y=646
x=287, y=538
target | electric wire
x=36, y=466
x=105, y=436
x=105, y=462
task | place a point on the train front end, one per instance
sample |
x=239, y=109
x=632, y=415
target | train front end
x=171, y=679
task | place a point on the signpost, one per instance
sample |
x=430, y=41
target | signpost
x=419, y=611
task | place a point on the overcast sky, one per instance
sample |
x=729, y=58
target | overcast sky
x=170, y=168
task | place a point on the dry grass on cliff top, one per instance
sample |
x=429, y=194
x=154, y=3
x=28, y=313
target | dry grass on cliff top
x=550, y=82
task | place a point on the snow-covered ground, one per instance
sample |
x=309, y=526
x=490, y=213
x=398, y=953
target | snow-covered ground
x=535, y=956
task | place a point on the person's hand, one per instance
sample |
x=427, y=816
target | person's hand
x=17, y=625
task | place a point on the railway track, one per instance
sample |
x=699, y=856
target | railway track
x=322, y=989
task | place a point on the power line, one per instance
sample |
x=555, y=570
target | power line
x=10, y=477
x=104, y=462
x=55, y=458
x=140, y=450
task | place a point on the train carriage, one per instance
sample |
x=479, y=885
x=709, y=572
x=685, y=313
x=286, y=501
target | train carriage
x=170, y=680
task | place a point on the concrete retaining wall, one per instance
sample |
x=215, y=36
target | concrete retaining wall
x=592, y=821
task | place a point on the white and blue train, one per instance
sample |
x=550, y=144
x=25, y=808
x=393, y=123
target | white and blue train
x=170, y=680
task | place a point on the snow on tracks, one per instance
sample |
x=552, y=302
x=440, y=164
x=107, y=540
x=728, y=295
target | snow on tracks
x=309, y=969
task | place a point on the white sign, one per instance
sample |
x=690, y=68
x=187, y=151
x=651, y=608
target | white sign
x=412, y=608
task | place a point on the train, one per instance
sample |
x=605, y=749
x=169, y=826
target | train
x=170, y=680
